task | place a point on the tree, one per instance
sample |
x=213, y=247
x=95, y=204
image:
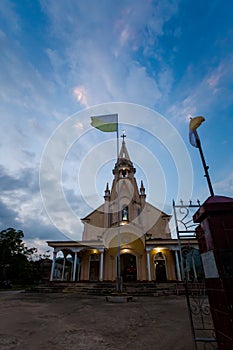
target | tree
x=15, y=264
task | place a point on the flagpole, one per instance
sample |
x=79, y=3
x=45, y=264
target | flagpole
x=109, y=123
x=206, y=168
x=119, y=286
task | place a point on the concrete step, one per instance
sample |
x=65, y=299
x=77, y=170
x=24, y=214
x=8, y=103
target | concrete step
x=107, y=288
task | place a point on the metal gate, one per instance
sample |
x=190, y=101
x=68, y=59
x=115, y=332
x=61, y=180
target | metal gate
x=193, y=282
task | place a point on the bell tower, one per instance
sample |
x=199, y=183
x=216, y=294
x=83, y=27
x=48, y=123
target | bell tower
x=124, y=168
x=124, y=195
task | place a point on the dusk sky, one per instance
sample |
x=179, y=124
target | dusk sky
x=155, y=63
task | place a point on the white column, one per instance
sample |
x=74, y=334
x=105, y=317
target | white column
x=63, y=267
x=53, y=265
x=101, y=265
x=148, y=265
x=74, y=266
x=177, y=266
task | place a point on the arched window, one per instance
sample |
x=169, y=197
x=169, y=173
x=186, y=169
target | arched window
x=124, y=173
x=125, y=213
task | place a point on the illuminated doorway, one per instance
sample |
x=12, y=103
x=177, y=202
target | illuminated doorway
x=160, y=268
x=128, y=267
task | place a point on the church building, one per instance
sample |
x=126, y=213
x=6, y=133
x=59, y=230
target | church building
x=125, y=225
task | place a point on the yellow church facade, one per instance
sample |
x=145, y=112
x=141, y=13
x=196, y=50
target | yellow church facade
x=125, y=232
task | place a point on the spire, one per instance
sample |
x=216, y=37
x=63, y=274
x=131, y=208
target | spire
x=142, y=189
x=107, y=192
x=123, y=152
x=124, y=164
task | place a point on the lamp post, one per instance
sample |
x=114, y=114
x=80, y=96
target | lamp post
x=206, y=168
x=196, y=142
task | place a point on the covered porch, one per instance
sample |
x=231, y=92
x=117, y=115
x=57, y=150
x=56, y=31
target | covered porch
x=75, y=261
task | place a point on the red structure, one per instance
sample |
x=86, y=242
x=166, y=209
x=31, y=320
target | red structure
x=215, y=238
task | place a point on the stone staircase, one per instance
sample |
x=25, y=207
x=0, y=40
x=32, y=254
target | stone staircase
x=107, y=288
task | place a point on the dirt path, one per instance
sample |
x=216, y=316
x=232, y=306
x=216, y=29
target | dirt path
x=68, y=321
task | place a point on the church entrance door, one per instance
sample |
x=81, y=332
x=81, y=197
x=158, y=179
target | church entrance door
x=94, y=268
x=128, y=267
x=160, y=268
x=94, y=271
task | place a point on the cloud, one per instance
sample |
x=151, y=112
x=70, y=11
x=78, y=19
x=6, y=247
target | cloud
x=39, y=244
x=204, y=93
x=18, y=188
x=221, y=77
x=80, y=94
x=225, y=186
x=88, y=54
x=137, y=93
x=101, y=49
x=21, y=206
x=8, y=216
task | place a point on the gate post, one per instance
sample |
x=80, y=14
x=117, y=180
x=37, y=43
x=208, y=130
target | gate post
x=215, y=239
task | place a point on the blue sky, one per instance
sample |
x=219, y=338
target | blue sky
x=59, y=58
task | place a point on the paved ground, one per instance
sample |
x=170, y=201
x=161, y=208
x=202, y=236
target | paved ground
x=68, y=321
